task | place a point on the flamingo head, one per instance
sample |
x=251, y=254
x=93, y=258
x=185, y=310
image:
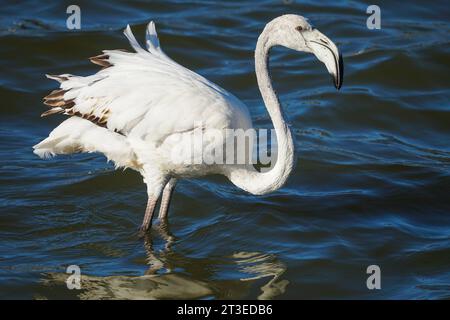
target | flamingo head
x=295, y=32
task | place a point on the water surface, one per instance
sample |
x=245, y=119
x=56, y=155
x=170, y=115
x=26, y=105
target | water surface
x=371, y=185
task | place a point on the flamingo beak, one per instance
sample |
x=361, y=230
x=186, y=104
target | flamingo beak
x=327, y=52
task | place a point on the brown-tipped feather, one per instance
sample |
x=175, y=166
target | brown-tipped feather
x=102, y=63
x=101, y=60
x=69, y=104
x=55, y=103
x=55, y=95
x=52, y=111
x=60, y=103
x=102, y=56
x=102, y=120
x=57, y=77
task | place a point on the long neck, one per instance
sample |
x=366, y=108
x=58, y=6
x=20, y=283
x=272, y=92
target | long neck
x=251, y=180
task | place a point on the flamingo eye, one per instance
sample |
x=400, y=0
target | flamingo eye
x=299, y=28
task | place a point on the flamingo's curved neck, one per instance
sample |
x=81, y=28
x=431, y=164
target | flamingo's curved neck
x=246, y=178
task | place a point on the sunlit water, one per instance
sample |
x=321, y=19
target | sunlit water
x=371, y=185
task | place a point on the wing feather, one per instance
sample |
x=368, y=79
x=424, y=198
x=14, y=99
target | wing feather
x=142, y=93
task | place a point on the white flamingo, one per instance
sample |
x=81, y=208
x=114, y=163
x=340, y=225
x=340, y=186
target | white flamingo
x=136, y=109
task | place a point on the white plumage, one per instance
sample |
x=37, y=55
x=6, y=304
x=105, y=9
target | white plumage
x=142, y=105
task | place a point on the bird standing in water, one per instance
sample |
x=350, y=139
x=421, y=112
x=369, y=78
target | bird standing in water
x=142, y=105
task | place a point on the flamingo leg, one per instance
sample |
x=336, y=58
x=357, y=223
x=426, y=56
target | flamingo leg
x=165, y=200
x=147, y=222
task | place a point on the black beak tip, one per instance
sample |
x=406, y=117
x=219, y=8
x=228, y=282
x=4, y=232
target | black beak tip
x=337, y=84
x=337, y=81
x=339, y=77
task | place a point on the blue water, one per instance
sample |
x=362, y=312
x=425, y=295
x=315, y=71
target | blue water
x=371, y=185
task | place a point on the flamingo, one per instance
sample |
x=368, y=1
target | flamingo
x=140, y=105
